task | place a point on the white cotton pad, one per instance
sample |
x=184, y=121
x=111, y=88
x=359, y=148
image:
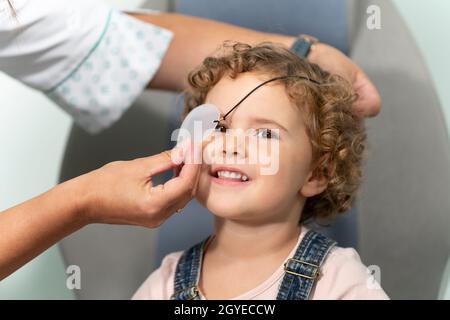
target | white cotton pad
x=199, y=123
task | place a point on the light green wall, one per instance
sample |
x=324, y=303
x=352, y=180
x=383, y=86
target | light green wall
x=429, y=22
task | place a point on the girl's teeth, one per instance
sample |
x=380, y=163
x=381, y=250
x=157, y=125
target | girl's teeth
x=232, y=175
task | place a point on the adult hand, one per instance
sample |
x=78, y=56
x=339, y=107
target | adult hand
x=123, y=192
x=332, y=60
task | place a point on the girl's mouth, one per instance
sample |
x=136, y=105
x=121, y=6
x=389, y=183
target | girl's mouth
x=229, y=176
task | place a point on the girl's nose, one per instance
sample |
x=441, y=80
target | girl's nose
x=233, y=145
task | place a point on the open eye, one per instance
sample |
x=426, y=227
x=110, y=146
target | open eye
x=266, y=133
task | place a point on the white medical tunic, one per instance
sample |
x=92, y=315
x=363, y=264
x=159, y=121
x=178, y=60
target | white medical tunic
x=91, y=60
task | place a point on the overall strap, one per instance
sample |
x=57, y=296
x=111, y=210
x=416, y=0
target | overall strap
x=302, y=270
x=187, y=273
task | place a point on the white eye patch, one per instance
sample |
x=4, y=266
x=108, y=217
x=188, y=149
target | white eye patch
x=199, y=123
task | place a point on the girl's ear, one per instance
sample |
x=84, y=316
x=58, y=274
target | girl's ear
x=315, y=184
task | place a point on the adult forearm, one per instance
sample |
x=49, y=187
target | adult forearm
x=194, y=39
x=120, y=192
x=33, y=226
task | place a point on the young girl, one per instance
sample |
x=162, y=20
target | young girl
x=261, y=248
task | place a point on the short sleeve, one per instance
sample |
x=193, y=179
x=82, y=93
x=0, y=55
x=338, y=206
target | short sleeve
x=345, y=277
x=91, y=60
x=113, y=74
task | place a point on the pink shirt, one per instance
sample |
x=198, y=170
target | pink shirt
x=343, y=276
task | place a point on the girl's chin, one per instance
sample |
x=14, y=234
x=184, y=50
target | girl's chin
x=222, y=201
x=224, y=204
x=238, y=212
x=223, y=211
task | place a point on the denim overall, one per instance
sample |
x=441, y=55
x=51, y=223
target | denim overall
x=301, y=271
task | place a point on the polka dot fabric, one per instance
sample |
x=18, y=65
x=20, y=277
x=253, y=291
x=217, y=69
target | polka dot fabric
x=117, y=69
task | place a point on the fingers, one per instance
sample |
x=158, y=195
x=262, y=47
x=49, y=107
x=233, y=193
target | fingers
x=334, y=61
x=177, y=192
x=369, y=101
x=166, y=160
x=177, y=170
x=182, y=186
x=157, y=164
x=180, y=204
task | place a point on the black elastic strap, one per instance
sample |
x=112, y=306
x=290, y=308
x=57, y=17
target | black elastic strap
x=259, y=86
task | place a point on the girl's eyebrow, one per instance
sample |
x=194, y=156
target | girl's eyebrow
x=267, y=121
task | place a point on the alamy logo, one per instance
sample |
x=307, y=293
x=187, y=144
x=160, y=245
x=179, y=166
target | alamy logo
x=374, y=280
x=246, y=146
x=74, y=279
x=374, y=19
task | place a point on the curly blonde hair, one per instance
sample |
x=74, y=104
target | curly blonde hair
x=337, y=135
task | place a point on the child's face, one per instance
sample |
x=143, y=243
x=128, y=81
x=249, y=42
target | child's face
x=263, y=197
